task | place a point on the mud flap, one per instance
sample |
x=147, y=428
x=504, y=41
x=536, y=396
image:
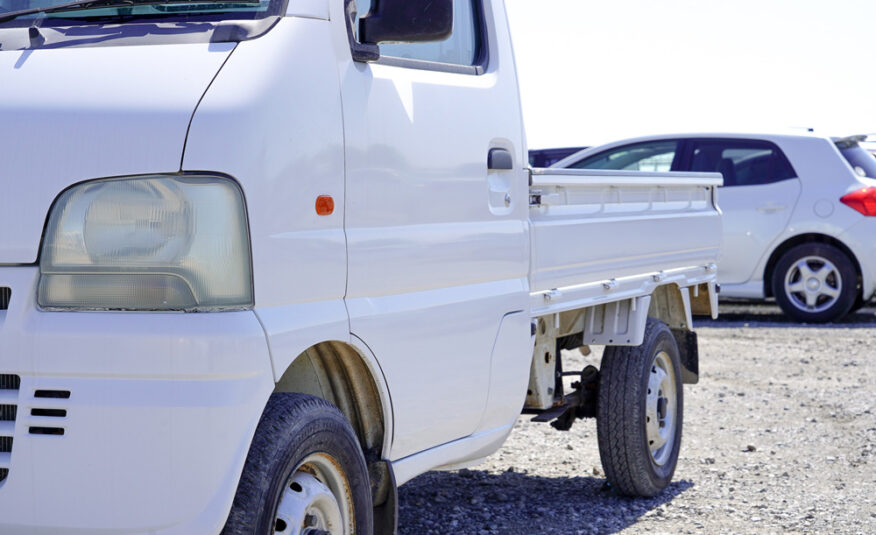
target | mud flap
x=384, y=495
x=688, y=350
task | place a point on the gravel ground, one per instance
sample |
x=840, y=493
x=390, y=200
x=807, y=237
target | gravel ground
x=779, y=437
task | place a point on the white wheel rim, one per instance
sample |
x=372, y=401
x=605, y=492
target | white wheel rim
x=661, y=408
x=813, y=284
x=317, y=500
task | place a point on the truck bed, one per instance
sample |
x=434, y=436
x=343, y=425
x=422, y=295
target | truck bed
x=603, y=236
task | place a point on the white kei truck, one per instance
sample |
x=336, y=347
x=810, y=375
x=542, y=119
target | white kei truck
x=263, y=261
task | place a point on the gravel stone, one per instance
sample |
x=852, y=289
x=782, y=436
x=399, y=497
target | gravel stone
x=779, y=437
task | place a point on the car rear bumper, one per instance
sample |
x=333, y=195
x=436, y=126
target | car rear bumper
x=861, y=239
x=156, y=426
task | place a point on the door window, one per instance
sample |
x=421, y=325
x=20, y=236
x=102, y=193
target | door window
x=862, y=162
x=463, y=47
x=654, y=156
x=741, y=162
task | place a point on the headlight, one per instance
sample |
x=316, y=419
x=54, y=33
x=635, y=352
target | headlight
x=147, y=243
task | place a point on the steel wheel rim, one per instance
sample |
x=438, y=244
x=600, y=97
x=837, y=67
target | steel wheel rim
x=661, y=408
x=813, y=284
x=317, y=500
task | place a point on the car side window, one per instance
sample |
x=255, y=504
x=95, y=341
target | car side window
x=741, y=162
x=463, y=47
x=654, y=156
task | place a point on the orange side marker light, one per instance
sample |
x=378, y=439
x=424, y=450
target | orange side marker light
x=325, y=205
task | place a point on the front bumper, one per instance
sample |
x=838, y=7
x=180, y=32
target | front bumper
x=161, y=411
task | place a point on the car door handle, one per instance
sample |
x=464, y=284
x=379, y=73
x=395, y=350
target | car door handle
x=499, y=160
x=771, y=208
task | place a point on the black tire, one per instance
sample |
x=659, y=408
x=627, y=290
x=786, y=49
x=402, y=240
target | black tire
x=624, y=449
x=292, y=429
x=827, y=308
x=859, y=303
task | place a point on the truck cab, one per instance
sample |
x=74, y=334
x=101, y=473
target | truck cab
x=263, y=262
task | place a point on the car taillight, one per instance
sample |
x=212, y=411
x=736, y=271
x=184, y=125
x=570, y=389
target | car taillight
x=862, y=200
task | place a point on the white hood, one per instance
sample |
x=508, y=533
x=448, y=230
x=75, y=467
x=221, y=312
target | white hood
x=74, y=114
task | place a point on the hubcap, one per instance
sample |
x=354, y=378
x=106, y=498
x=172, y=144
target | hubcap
x=661, y=408
x=316, y=501
x=813, y=284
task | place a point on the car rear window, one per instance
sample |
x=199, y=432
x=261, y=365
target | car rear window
x=742, y=162
x=862, y=162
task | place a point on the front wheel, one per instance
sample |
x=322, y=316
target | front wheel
x=815, y=282
x=639, y=415
x=304, y=475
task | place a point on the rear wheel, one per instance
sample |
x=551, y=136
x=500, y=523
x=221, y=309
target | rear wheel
x=860, y=303
x=639, y=415
x=815, y=282
x=304, y=475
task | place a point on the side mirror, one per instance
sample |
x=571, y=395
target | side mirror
x=406, y=21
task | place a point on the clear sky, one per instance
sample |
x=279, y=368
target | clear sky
x=592, y=71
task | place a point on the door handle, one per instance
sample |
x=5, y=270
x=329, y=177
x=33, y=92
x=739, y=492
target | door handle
x=499, y=160
x=771, y=208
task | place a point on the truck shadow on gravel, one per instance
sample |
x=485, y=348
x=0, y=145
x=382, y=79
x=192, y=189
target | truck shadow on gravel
x=477, y=502
x=735, y=314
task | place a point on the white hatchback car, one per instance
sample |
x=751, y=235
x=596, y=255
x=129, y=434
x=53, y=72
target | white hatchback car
x=799, y=212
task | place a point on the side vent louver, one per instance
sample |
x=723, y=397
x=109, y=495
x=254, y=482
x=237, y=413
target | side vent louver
x=46, y=430
x=5, y=297
x=46, y=414
x=55, y=413
x=9, y=385
x=52, y=394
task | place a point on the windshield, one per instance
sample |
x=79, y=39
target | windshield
x=108, y=11
x=863, y=163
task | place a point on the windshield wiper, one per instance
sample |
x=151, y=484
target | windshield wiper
x=91, y=4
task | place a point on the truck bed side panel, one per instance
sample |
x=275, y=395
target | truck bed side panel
x=590, y=226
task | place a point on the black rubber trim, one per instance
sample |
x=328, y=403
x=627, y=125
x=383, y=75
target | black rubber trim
x=53, y=413
x=52, y=394
x=47, y=431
